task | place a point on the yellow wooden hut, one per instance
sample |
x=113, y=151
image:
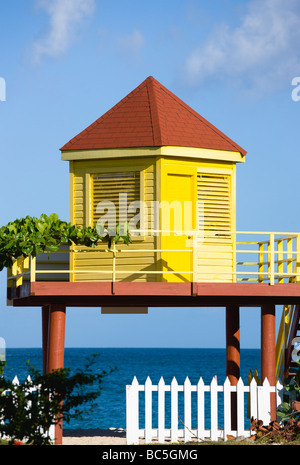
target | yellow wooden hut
x=171, y=174
x=154, y=162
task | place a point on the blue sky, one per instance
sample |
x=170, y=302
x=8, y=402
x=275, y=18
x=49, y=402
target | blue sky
x=66, y=62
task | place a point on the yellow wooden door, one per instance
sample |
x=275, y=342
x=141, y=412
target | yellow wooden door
x=214, y=257
x=178, y=217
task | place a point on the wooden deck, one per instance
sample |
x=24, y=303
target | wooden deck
x=90, y=294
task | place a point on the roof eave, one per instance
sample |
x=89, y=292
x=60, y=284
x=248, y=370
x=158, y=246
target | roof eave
x=169, y=151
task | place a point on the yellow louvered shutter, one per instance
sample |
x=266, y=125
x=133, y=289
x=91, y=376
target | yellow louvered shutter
x=214, y=200
x=109, y=187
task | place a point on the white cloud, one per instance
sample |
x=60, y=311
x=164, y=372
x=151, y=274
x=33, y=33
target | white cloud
x=132, y=43
x=65, y=16
x=260, y=55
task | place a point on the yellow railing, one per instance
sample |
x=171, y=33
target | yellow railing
x=257, y=257
x=278, y=257
x=283, y=338
x=263, y=257
x=47, y=266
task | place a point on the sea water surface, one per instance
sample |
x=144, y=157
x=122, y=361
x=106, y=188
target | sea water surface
x=140, y=362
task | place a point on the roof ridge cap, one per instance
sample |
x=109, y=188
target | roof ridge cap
x=154, y=112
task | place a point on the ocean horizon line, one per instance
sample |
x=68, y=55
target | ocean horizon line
x=133, y=347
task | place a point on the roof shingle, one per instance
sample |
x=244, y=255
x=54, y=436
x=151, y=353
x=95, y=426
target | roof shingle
x=151, y=116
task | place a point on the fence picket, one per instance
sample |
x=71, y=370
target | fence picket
x=214, y=410
x=187, y=410
x=201, y=411
x=132, y=412
x=259, y=408
x=253, y=399
x=174, y=410
x=264, y=402
x=279, y=392
x=161, y=410
x=148, y=410
x=227, y=408
x=240, y=407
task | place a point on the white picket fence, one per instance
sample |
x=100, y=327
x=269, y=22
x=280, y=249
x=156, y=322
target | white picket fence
x=181, y=429
x=51, y=432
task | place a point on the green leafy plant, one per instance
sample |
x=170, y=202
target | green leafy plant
x=32, y=236
x=286, y=428
x=28, y=409
x=114, y=235
x=286, y=409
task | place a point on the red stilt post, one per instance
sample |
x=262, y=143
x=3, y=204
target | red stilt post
x=45, y=334
x=268, y=357
x=233, y=355
x=56, y=344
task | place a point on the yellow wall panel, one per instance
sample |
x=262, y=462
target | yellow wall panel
x=82, y=205
x=213, y=268
x=213, y=255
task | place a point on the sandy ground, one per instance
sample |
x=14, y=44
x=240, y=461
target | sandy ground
x=108, y=437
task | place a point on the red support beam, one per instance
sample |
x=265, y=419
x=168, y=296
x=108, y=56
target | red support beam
x=56, y=346
x=154, y=294
x=268, y=355
x=233, y=355
x=45, y=335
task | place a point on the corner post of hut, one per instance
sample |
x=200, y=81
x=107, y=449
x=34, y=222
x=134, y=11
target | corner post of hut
x=233, y=355
x=268, y=351
x=53, y=332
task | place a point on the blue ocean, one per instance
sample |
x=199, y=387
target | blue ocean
x=140, y=362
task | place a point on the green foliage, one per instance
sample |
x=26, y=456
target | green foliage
x=285, y=410
x=109, y=235
x=293, y=384
x=32, y=236
x=30, y=408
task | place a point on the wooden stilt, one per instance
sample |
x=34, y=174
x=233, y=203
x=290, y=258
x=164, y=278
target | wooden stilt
x=56, y=343
x=45, y=335
x=268, y=357
x=233, y=355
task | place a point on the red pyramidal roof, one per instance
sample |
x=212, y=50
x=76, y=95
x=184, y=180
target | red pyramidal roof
x=151, y=116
